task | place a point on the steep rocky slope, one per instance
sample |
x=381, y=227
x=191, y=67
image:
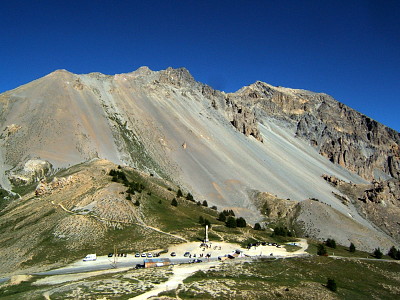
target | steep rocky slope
x=343, y=135
x=220, y=146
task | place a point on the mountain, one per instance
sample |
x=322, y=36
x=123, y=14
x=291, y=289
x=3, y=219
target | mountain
x=225, y=148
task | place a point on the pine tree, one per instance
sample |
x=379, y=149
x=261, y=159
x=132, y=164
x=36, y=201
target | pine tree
x=221, y=217
x=241, y=222
x=205, y=203
x=331, y=243
x=392, y=252
x=378, y=253
x=174, y=202
x=331, y=284
x=179, y=193
x=231, y=222
x=257, y=226
x=321, y=250
x=189, y=197
x=352, y=248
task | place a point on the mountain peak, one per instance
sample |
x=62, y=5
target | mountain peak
x=179, y=76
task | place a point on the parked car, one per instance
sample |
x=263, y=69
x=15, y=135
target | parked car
x=110, y=254
x=149, y=255
x=139, y=266
x=186, y=254
x=143, y=255
x=137, y=255
x=173, y=254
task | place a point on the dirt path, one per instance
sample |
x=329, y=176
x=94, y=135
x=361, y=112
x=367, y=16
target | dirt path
x=124, y=222
x=181, y=272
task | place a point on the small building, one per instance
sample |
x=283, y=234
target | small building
x=156, y=262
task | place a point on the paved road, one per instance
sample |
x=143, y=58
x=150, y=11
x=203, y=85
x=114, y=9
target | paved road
x=123, y=262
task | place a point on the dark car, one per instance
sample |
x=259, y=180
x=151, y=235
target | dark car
x=110, y=254
x=173, y=254
x=186, y=254
x=139, y=266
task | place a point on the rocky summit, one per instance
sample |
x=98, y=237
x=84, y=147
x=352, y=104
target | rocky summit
x=225, y=148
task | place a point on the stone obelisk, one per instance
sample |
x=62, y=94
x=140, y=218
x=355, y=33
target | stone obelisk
x=206, y=239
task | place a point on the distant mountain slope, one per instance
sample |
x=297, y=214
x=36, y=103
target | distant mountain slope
x=219, y=146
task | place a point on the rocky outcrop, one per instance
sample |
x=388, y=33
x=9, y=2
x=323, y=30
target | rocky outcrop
x=343, y=135
x=243, y=119
x=378, y=202
x=33, y=171
x=44, y=188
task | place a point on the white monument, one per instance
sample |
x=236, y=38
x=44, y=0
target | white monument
x=206, y=239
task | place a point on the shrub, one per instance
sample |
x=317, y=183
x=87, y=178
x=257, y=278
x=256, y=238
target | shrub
x=331, y=285
x=189, y=197
x=331, y=243
x=231, y=222
x=174, y=202
x=205, y=203
x=378, y=253
x=257, y=226
x=352, y=248
x=128, y=197
x=207, y=222
x=201, y=220
x=281, y=231
x=321, y=250
x=137, y=203
x=214, y=207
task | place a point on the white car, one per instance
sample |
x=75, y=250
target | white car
x=149, y=255
x=90, y=257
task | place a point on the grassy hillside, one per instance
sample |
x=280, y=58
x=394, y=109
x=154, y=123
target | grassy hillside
x=297, y=278
x=84, y=209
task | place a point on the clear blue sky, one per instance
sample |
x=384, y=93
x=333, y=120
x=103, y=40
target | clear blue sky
x=348, y=49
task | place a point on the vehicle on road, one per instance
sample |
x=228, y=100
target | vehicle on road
x=149, y=255
x=139, y=266
x=90, y=257
x=173, y=254
x=186, y=254
x=143, y=255
x=137, y=255
x=110, y=254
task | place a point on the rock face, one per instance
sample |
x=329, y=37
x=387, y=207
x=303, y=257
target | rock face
x=343, y=135
x=33, y=171
x=378, y=202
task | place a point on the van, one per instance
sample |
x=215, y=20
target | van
x=90, y=257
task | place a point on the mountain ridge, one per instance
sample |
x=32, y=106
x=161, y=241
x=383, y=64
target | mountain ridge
x=220, y=146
